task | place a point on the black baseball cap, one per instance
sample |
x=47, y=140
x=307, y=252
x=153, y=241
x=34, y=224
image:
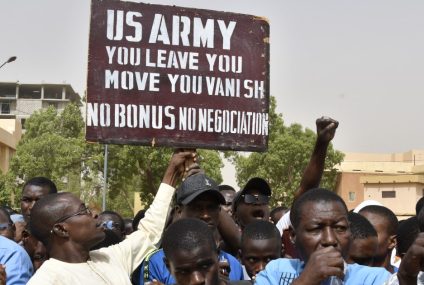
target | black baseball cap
x=196, y=185
x=256, y=183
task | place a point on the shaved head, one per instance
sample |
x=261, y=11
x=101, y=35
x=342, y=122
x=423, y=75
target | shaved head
x=46, y=212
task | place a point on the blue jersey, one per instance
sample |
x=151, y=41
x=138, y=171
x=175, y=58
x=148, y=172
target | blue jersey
x=283, y=271
x=157, y=268
x=18, y=264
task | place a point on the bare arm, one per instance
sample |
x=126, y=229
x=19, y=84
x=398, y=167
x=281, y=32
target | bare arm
x=176, y=167
x=229, y=231
x=326, y=129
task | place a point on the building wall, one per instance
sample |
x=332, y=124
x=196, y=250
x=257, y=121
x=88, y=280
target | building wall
x=10, y=134
x=400, y=197
x=369, y=175
x=350, y=188
x=6, y=154
x=25, y=107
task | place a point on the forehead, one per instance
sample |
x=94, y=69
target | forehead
x=228, y=194
x=261, y=245
x=375, y=218
x=320, y=211
x=35, y=190
x=183, y=257
x=379, y=222
x=108, y=217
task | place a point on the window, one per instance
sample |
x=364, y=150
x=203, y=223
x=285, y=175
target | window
x=29, y=91
x=7, y=90
x=23, y=123
x=4, y=108
x=352, y=196
x=388, y=194
x=53, y=92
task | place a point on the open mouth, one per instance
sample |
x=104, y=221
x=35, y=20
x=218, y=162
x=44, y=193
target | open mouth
x=258, y=214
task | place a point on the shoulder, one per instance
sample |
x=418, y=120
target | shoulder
x=371, y=275
x=236, y=272
x=11, y=251
x=156, y=256
x=280, y=270
x=286, y=265
x=46, y=274
x=228, y=256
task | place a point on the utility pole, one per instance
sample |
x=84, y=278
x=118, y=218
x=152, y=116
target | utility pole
x=105, y=179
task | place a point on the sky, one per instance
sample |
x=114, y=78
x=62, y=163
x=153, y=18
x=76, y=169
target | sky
x=359, y=62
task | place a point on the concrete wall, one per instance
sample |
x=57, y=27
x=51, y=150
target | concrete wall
x=406, y=196
x=350, y=188
x=10, y=134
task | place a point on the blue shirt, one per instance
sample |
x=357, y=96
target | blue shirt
x=18, y=264
x=283, y=271
x=158, y=270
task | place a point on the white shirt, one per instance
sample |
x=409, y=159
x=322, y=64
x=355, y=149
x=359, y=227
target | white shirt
x=114, y=264
x=284, y=223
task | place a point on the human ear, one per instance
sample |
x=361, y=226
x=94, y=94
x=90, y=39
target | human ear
x=59, y=230
x=392, y=242
x=178, y=210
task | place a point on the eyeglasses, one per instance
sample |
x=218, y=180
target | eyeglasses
x=5, y=226
x=255, y=199
x=85, y=211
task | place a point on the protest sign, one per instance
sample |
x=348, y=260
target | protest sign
x=180, y=77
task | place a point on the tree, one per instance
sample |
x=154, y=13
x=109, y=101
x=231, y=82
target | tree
x=52, y=146
x=289, y=151
x=145, y=166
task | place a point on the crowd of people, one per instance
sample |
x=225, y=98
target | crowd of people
x=204, y=233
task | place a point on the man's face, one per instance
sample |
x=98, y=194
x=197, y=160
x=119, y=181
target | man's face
x=384, y=244
x=229, y=197
x=204, y=207
x=40, y=255
x=35, y=249
x=82, y=227
x=30, y=195
x=250, y=212
x=114, y=223
x=322, y=224
x=196, y=266
x=255, y=254
x=363, y=250
x=7, y=229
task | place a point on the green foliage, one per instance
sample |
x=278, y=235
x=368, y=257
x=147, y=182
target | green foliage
x=52, y=146
x=289, y=151
x=145, y=166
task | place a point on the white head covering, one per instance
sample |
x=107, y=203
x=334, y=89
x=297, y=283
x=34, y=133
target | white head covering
x=365, y=203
